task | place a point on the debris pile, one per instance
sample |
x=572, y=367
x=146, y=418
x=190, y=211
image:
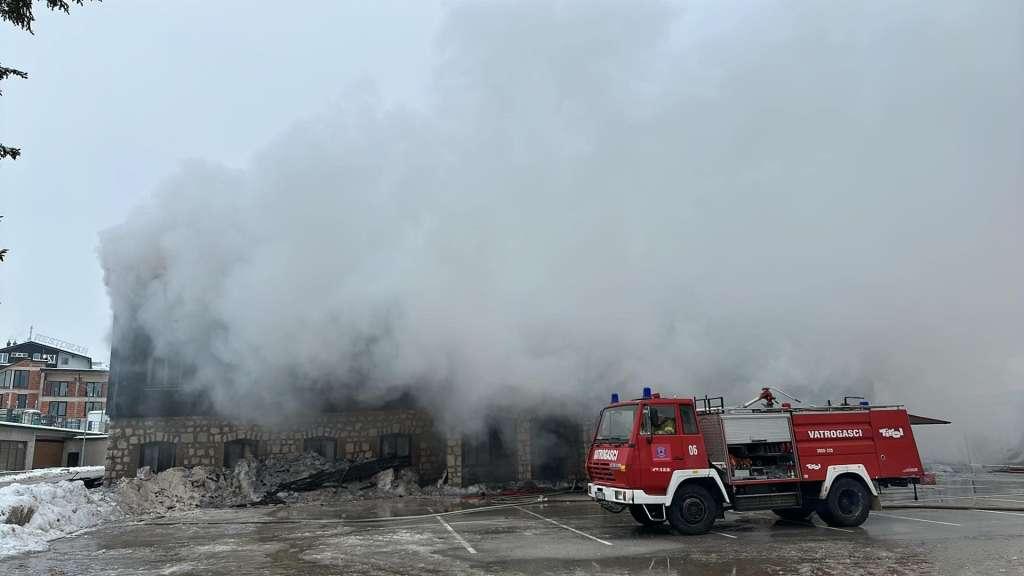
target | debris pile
x=293, y=478
x=189, y=488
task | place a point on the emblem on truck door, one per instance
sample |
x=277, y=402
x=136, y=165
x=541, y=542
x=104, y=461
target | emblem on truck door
x=814, y=466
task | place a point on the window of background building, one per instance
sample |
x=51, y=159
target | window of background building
x=94, y=389
x=93, y=406
x=3, y=357
x=21, y=379
x=57, y=409
x=55, y=388
x=22, y=401
x=5, y=378
x=64, y=360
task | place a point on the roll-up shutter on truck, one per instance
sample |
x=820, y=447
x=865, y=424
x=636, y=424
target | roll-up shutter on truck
x=750, y=428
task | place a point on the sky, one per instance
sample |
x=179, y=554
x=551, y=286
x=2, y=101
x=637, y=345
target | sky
x=497, y=199
x=121, y=92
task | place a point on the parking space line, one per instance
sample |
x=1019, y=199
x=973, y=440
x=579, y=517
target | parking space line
x=726, y=535
x=457, y=536
x=915, y=519
x=999, y=512
x=569, y=528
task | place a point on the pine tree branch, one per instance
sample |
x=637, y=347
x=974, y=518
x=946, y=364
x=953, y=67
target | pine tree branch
x=19, y=12
x=6, y=72
x=8, y=152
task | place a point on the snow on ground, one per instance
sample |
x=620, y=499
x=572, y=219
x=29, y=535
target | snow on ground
x=44, y=473
x=52, y=510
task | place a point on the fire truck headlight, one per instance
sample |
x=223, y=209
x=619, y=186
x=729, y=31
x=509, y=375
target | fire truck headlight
x=622, y=467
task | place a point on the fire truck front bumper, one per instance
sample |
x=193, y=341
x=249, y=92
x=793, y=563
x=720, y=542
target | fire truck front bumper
x=622, y=495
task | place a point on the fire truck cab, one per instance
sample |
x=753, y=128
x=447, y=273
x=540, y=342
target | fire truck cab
x=686, y=461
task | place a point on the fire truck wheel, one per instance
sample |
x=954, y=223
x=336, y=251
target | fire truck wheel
x=640, y=516
x=693, y=509
x=847, y=504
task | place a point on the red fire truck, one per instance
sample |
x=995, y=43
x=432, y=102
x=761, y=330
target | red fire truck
x=686, y=461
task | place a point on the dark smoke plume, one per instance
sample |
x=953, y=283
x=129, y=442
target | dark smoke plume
x=710, y=198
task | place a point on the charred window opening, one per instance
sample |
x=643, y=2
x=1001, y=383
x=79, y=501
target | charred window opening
x=324, y=446
x=164, y=374
x=556, y=448
x=159, y=456
x=237, y=450
x=398, y=446
x=487, y=457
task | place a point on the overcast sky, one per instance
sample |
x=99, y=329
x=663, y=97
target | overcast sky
x=121, y=92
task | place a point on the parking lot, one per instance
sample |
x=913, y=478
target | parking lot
x=565, y=537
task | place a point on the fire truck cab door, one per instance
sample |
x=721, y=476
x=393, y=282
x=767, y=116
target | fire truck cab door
x=670, y=441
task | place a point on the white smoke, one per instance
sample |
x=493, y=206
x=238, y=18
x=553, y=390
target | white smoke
x=601, y=196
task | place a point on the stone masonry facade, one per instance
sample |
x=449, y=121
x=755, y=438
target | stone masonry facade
x=200, y=441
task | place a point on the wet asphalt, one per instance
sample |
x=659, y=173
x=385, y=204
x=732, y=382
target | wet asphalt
x=575, y=537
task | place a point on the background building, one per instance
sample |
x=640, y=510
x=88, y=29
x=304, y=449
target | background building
x=50, y=386
x=28, y=446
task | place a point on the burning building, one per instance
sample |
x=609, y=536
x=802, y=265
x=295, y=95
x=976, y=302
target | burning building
x=161, y=419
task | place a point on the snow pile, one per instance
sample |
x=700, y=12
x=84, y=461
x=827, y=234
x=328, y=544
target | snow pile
x=31, y=515
x=45, y=473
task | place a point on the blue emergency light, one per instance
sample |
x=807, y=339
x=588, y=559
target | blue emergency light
x=864, y=403
x=647, y=392
x=615, y=397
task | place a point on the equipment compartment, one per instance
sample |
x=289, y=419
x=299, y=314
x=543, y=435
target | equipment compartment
x=762, y=461
x=760, y=447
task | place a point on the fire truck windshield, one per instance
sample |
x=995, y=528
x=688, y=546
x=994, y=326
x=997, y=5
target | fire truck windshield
x=616, y=424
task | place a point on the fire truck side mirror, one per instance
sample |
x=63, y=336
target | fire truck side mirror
x=646, y=426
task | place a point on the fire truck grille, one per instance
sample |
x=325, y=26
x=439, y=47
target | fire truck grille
x=600, y=473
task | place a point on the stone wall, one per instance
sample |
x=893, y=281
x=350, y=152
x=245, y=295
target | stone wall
x=524, y=459
x=200, y=440
x=453, y=460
